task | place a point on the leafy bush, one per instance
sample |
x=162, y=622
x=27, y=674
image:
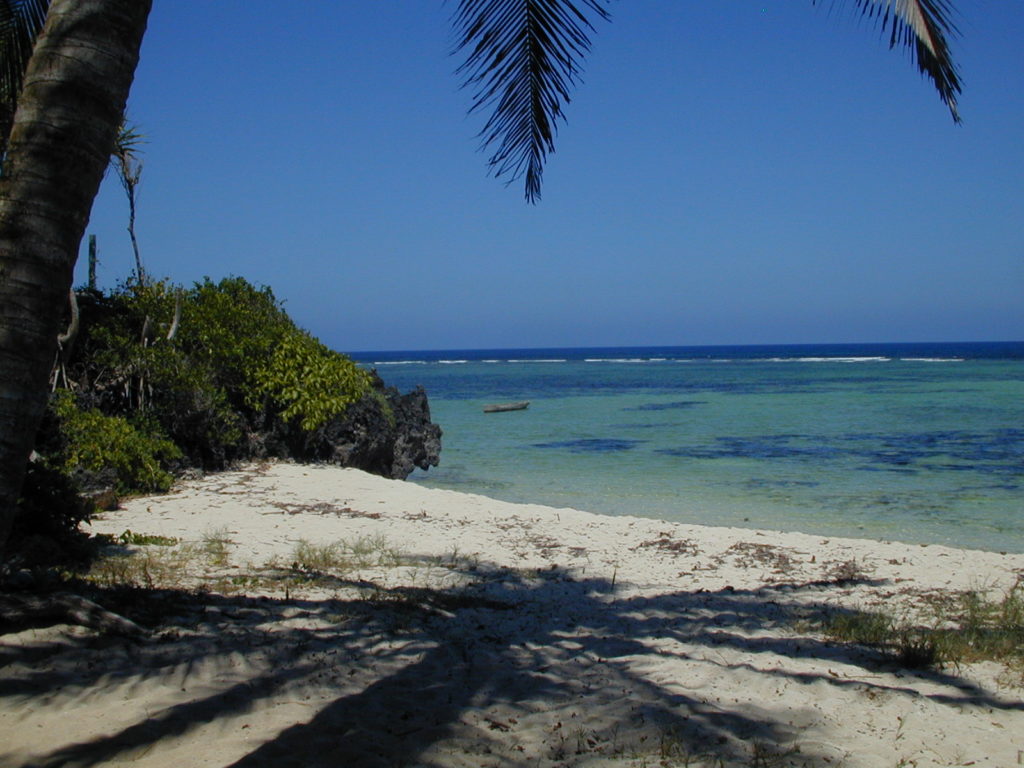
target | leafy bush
x=50, y=504
x=215, y=373
x=93, y=441
x=262, y=361
x=231, y=328
x=309, y=382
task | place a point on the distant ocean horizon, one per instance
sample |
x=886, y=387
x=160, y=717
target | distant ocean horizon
x=917, y=442
x=966, y=349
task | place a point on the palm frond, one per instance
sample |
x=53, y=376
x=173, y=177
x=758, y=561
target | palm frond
x=921, y=26
x=129, y=140
x=20, y=23
x=125, y=160
x=523, y=57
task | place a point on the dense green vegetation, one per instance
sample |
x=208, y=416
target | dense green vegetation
x=161, y=377
x=136, y=454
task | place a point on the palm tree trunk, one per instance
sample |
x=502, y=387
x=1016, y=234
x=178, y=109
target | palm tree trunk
x=68, y=115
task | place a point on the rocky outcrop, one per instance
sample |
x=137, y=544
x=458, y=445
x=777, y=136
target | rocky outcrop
x=386, y=433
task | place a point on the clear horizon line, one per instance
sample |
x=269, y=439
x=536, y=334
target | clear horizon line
x=684, y=346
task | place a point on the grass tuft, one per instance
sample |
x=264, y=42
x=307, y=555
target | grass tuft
x=160, y=562
x=148, y=569
x=343, y=557
x=967, y=628
x=144, y=539
x=215, y=545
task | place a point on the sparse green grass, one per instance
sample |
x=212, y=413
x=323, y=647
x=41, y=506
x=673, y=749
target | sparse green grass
x=454, y=560
x=864, y=627
x=155, y=562
x=151, y=569
x=768, y=756
x=158, y=562
x=320, y=558
x=215, y=545
x=145, y=539
x=362, y=565
x=965, y=628
x=848, y=571
x=674, y=751
x=343, y=557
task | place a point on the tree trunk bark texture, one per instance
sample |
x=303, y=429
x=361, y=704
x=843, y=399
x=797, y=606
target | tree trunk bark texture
x=68, y=115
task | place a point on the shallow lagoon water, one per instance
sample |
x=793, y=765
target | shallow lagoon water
x=917, y=443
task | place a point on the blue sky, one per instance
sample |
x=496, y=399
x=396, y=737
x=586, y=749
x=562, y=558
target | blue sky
x=730, y=173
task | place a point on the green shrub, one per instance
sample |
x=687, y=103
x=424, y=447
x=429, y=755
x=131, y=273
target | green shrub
x=235, y=379
x=231, y=328
x=261, y=360
x=123, y=347
x=93, y=441
x=235, y=364
x=309, y=382
x=50, y=504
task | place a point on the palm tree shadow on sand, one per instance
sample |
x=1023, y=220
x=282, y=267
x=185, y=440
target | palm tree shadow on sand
x=515, y=669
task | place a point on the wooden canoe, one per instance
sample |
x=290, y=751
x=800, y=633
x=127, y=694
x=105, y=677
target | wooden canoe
x=500, y=407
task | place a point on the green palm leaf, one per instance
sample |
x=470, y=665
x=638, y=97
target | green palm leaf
x=20, y=23
x=921, y=26
x=523, y=58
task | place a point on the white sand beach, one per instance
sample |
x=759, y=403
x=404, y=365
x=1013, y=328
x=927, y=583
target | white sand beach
x=472, y=632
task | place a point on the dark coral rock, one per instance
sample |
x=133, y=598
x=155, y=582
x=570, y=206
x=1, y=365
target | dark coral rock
x=385, y=433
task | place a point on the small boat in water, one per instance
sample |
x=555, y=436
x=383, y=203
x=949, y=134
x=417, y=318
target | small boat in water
x=500, y=407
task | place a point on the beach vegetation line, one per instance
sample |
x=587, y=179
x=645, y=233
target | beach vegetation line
x=160, y=378
x=963, y=627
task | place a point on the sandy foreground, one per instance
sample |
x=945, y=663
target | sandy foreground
x=454, y=630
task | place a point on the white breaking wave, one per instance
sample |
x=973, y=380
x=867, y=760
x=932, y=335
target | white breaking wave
x=931, y=359
x=829, y=359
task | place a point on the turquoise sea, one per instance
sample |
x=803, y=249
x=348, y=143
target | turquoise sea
x=920, y=443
